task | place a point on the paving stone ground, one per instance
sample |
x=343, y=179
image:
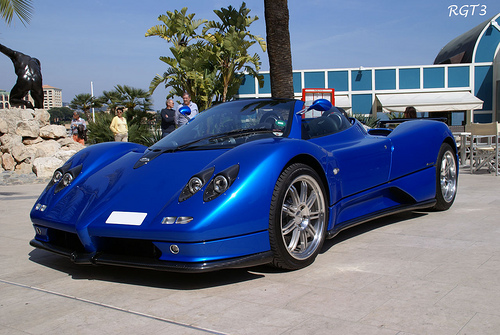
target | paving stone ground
x=412, y=273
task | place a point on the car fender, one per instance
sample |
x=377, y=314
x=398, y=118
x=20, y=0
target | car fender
x=260, y=165
x=416, y=145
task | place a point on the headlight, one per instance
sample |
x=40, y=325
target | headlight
x=221, y=183
x=63, y=177
x=67, y=179
x=195, y=184
x=57, y=177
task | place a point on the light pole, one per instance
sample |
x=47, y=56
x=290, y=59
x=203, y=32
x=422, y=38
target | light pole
x=92, y=95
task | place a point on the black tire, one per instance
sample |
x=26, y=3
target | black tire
x=446, y=178
x=298, y=217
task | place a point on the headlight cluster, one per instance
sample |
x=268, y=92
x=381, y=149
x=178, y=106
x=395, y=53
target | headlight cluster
x=64, y=176
x=216, y=186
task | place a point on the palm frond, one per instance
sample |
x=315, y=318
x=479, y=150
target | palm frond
x=21, y=8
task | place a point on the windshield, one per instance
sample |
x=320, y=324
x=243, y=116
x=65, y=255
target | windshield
x=230, y=124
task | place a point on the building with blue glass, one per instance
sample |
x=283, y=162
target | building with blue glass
x=463, y=84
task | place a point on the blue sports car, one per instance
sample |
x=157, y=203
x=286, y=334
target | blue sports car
x=244, y=183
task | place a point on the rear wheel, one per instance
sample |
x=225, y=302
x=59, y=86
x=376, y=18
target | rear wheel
x=446, y=178
x=298, y=217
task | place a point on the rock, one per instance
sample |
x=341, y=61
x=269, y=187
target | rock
x=28, y=128
x=4, y=127
x=64, y=155
x=74, y=146
x=8, y=141
x=12, y=117
x=48, y=148
x=29, y=145
x=30, y=141
x=44, y=167
x=52, y=132
x=22, y=153
x=24, y=168
x=8, y=162
x=42, y=116
x=66, y=141
x=26, y=114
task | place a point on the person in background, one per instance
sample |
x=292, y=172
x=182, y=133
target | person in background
x=167, y=118
x=180, y=119
x=410, y=113
x=78, y=128
x=119, y=126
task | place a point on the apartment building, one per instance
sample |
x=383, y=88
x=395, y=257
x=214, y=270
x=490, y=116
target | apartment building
x=4, y=99
x=52, y=97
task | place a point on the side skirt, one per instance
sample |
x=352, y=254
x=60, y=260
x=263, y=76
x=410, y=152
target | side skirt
x=376, y=215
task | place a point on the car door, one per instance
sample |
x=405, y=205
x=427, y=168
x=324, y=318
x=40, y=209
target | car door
x=362, y=161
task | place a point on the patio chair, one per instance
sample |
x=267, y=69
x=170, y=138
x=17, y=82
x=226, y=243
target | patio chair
x=462, y=140
x=484, y=147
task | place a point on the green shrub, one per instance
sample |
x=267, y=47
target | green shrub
x=98, y=131
x=151, y=138
x=369, y=121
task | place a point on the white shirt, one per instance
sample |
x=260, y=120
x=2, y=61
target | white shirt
x=180, y=119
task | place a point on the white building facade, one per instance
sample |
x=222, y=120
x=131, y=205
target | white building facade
x=463, y=84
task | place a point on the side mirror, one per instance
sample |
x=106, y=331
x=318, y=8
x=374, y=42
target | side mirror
x=185, y=110
x=320, y=105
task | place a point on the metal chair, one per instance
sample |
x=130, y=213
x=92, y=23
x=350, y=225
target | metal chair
x=484, y=146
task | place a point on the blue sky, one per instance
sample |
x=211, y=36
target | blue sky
x=102, y=41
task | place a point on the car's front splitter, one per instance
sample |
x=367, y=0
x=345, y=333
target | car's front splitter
x=155, y=264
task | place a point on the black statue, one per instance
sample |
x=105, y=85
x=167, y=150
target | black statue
x=29, y=78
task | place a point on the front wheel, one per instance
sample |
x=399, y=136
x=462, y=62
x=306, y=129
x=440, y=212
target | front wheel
x=446, y=178
x=298, y=217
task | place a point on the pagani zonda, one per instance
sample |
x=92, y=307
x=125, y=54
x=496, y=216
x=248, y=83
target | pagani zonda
x=244, y=183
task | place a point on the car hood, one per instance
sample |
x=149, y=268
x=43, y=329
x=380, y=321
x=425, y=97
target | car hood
x=118, y=186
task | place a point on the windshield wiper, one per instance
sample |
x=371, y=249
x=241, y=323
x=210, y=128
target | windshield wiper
x=246, y=131
x=232, y=133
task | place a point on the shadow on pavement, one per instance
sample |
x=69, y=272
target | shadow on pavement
x=193, y=281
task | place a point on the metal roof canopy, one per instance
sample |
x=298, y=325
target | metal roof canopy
x=430, y=101
x=342, y=101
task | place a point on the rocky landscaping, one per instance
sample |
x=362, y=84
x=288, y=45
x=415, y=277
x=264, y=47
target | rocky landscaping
x=32, y=148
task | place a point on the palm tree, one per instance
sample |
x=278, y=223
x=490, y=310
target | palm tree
x=208, y=65
x=112, y=99
x=231, y=41
x=137, y=101
x=177, y=28
x=189, y=70
x=279, y=50
x=21, y=8
x=85, y=102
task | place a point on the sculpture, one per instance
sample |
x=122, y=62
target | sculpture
x=29, y=79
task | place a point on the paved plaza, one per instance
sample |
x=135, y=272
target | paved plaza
x=412, y=273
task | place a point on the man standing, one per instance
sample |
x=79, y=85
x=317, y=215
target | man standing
x=167, y=118
x=180, y=119
x=78, y=128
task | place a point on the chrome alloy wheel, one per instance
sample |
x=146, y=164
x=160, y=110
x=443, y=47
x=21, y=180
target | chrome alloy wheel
x=303, y=217
x=448, y=176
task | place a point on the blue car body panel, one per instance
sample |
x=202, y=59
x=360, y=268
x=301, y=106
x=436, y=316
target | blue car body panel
x=364, y=176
